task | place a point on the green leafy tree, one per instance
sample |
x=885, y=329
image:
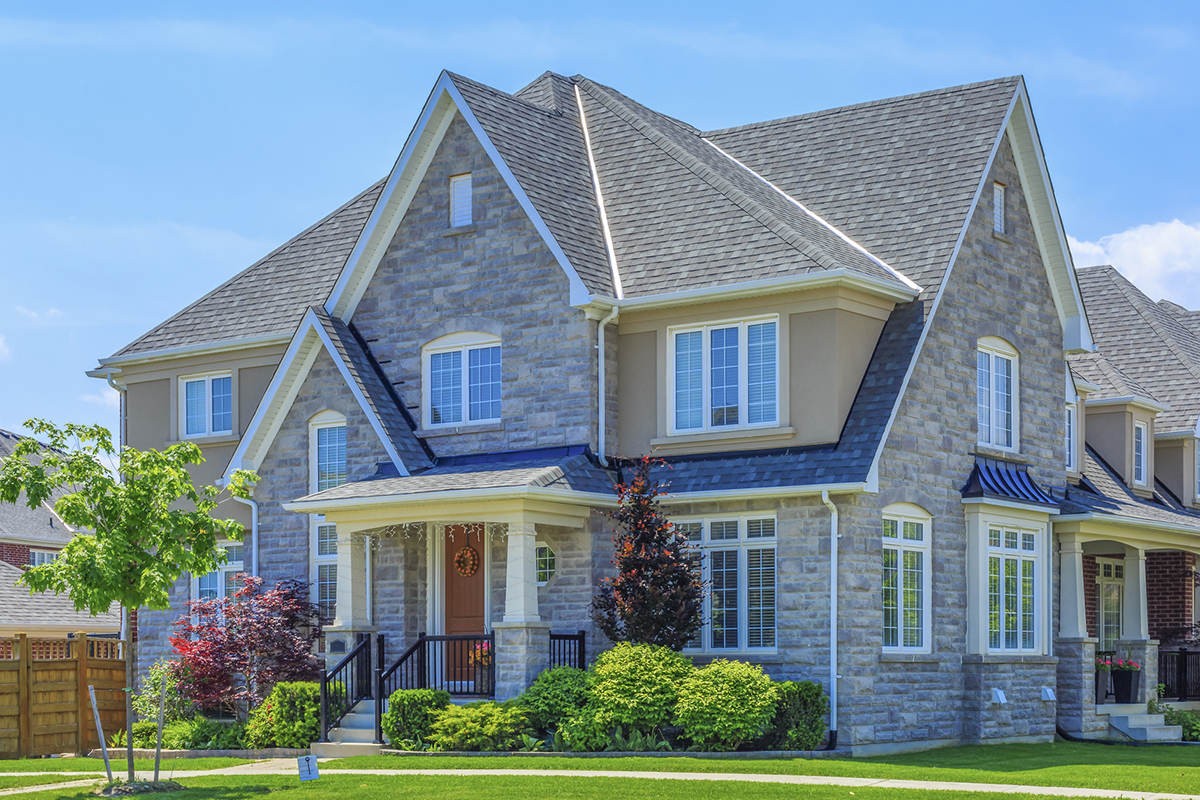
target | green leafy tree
x=141, y=530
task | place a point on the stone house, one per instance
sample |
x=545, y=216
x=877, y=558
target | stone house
x=845, y=332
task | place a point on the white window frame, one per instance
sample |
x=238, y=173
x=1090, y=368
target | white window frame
x=743, y=544
x=1196, y=447
x=222, y=572
x=998, y=206
x=1116, y=568
x=902, y=513
x=705, y=330
x=1022, y=555
x=1072, y=437
x=995, y=348
x=323, y=419
x=461, y=200
x=1140, y=435
x=537, y=568
x=463, y=342
x=207, y=378
x=318, y=560
x=39, y=557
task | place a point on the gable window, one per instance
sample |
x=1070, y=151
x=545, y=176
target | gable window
x=545, y=563
x=906, y=578
x=206, y=405
x=998, y=207
x=460, y=200
x=331, y=456
x=737, y=562
x=1071, y=438
x=462, y=372
x=1013, y=588
x=39, y=557
x=724, y=376
x=1139, y=453
x=996, y=393
x=222, y=582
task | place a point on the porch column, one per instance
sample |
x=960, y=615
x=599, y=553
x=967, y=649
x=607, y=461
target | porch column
x=1072, y=620
x=351, y=615
x=1135, y=620
x=522, y=639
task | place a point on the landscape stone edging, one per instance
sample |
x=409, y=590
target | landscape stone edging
x=145, y=752
x=746, y=754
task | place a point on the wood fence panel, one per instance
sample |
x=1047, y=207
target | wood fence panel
x=10, y=742
x=107, y=676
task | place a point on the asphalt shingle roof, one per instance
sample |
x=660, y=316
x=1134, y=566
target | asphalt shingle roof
x=1147, y=343
x=29, y=525
x=1102, y=492
x=1096, y=368
x=19, y=608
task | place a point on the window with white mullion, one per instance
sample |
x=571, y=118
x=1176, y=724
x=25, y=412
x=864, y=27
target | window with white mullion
x=1012, y=589
x=1071, y=437
x=323, y=570
x=207, y=405
x=725, y=376
x=464, y=384
x=995, y=391
x=331, y=456
x=223, y=581
x=906, y=581
x=1139, y=453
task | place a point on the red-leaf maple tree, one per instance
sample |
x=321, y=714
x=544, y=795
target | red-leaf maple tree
x=233, y=650
x=656, y=595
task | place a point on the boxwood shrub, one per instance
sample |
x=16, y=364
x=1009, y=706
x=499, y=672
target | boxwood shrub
x=479, y=726
x=637, y=686
x=799, y=720
x=725, y=704
x=411, y=712
x=556, y=694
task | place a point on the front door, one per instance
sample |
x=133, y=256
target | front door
x=466, y=593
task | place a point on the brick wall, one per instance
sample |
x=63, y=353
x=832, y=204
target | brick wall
x=1170, y=591
x=1089, y=594
x=15, y=554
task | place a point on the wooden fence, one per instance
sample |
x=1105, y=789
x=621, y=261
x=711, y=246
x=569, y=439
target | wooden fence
x=44, y=702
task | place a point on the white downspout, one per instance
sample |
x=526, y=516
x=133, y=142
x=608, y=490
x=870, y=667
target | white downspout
x=833, y=618
x=601, y=384
x=121, y=409
x=253, y=533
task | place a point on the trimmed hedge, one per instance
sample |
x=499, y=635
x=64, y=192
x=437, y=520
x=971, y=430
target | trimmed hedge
x=725, y=704
x=556, y=695
x=479, y=726
x=637, y=686
x=411, y=712
x=289, y=717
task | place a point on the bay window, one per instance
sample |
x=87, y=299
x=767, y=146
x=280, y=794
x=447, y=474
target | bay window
x=996, y=393
x=737, y=562
x=724, y=376
x=205, y=405
x=1012, y=588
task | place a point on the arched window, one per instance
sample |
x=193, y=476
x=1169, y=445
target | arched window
x=997, y=383
x=460, y=376
x=906, y=577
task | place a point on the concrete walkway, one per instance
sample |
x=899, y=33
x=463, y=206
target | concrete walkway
x=287, y=766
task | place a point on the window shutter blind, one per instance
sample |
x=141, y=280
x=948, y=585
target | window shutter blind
x=460, y=200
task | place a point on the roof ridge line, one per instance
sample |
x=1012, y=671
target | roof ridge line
x=819, y=219
x=1155, y=324
x=689, y=162
x=512, y=96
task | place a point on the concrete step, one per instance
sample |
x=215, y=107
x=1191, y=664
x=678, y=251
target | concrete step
x=1140, y=720
x=343, y=750
x=1122, y=709
x=1146, y=727
x=357, y=720
x=352, y=735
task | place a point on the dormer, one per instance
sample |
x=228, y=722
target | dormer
x=1077, y=391
x=1177, y=464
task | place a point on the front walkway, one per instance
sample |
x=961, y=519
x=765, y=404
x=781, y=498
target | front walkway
x=287, y=766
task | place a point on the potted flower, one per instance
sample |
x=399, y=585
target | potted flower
x=1104, y=664
x=1125, y=672
x=480, y=658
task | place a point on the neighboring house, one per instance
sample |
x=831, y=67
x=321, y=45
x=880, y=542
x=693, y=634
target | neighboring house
x=848, y=326
x=29, y=537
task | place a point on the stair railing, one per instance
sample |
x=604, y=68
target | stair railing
x=567, y=650
x=345, y=685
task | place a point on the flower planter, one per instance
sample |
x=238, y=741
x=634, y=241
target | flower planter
x=1101, y=686
x=1125, y=685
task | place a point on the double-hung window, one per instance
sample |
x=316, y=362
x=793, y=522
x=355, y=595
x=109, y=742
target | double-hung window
x=327, y=432
x=725, y=376
x=206, y=405
x=1012, y=569
x=737, y=562
x=906, y=578
x=39, y=557
x=1139, y=453
x=222, y=582
x=1072, y=440
x=331, y=456
x=996, y=393
x=325, y=563
x=463, y=381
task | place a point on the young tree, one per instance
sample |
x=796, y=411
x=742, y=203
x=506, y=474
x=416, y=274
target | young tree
x=137, y=535
x=656, y=595
x=232, y=650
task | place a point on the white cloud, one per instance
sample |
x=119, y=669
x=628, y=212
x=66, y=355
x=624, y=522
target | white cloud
x=1163, y=259
x=25, y=312
x=5, y=350
x=108, y=398
x=54, y=312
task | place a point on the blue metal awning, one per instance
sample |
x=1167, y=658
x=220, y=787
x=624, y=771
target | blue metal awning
x=996, y=479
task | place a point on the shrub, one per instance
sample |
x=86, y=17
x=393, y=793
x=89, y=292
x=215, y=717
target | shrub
x=725, y=704
x=177, y=707
x=588, y=730
x=555, y=695
x=637, y=685
x=200, y=733
x=479, y=726
x=260, y=730
x=297, y=713
x=799, y=721
x=410, y=713
x=145, y=734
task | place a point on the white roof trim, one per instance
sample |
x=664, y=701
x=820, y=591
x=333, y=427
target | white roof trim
x=282, y=391
x=1129, y=400
x=835, y=231
x=791, y=283
x=1128, y=522
x=458, y=496
x=766, y=492
x=608, y=242
x=190, y=350
x=402, y=184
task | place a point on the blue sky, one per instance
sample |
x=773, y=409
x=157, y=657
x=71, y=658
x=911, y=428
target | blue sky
x=150, y=151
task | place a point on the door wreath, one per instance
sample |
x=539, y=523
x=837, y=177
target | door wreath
x=466, y=561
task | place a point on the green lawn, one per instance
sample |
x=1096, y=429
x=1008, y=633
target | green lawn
x=1089, y=766
x=372, y=787
x=14, y=781
x=97, y=764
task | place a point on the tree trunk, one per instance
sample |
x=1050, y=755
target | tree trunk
x=128, y=691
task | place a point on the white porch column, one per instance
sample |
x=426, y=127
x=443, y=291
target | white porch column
x=520, y=588
x=1072, y=619
x=351, y=613
x=1135, y=619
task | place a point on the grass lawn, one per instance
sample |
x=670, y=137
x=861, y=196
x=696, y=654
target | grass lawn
x=97, y=764
x=14, y=781
x=372, y=787
x=1089, y=766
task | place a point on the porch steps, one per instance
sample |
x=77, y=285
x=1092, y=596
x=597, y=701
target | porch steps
x=353, y=737
x=1146, y=727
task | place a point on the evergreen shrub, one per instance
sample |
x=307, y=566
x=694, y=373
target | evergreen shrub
x=479, y=726
x=725, y=704
x=637, y=685
x=799, y=720
x=556, y=695
x=411, y=712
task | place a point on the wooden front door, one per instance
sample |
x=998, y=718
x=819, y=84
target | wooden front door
x=466, y=593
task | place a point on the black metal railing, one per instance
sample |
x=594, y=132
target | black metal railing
x=567, y=650
x=1104, y=687
x=345, y=685
x=1179, y=671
